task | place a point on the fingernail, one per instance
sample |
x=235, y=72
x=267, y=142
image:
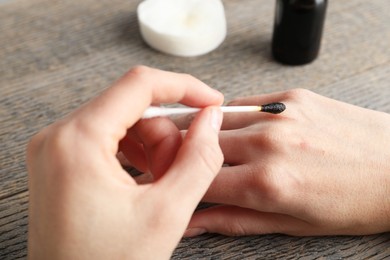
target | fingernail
x=192, y=232
x=216, y=119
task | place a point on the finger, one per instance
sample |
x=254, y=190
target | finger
x=197, y=162
x=230, y=187
x=121, y=105
x=253, y=143
x=242, y=120
x=246, y=186
x=235, y=145
x=134, y=153
x=161, y=140
x=236, y=221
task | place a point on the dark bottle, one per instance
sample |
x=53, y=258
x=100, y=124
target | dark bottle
x=298, y=30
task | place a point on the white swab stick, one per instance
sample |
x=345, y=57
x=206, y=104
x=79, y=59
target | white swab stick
x=167, y=111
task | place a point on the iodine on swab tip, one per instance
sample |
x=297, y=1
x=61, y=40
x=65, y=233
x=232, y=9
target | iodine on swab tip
x=274, y=108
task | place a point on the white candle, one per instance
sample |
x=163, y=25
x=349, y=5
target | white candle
x=182, y=27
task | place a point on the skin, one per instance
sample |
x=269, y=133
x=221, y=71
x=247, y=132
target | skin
x=83, y=205
x=319, y=168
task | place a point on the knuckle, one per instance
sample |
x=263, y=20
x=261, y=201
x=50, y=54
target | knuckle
x=191, y=80
x=260, y=178
x=62, y=137
x=50, y=145
x=276, y=184
x=141, y=75
x=235, y=228
x=36, y=140
x=265, y=179
x=297, y=94
x=35, y=144
x=189, y=77
x=58, y=139
x=271, y=137
x=139, y=71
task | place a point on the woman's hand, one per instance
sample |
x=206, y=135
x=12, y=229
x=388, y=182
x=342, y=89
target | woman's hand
x=322, y=167
x=83, y=205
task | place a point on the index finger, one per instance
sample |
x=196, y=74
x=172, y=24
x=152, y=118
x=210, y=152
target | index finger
x=121, y=105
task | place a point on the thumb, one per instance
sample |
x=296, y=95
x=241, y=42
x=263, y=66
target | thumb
x=197, y=162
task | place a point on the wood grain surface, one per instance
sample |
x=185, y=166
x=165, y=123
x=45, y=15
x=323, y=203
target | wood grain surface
x=55, y=55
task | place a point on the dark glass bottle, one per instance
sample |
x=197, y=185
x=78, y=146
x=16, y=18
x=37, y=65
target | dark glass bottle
x=298, y=30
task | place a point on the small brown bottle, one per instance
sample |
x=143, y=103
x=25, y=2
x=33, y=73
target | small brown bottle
x=298, y=30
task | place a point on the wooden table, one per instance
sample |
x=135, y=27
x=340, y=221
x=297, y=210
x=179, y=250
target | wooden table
x=54, y=55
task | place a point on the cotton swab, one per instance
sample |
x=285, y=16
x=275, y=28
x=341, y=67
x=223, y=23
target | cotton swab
x=274, y=108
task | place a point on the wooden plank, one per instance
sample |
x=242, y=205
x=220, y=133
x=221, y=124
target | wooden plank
x=13, y=226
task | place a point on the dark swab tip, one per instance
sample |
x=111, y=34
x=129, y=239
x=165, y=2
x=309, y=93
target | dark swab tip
x=274, y=108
